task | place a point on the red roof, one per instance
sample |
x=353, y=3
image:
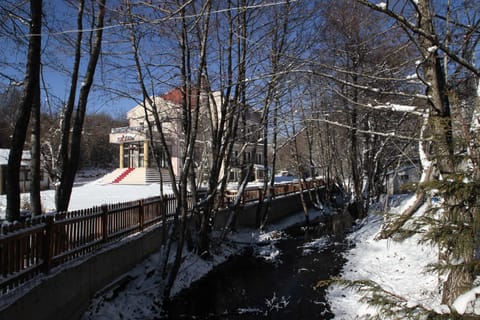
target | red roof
x=175, y=96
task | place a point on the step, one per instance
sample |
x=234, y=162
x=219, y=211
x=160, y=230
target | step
x=136, y=176
x=123, y=175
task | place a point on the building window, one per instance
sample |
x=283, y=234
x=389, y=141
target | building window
x=141, y=156
x=232, y=176
x=235, y=160
x=162, y=156
x=133, y=156
x=259, y=158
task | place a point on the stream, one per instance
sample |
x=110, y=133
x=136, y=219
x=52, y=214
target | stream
x=274, y=280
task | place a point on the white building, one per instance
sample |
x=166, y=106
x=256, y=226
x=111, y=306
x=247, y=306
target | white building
x=137, y=164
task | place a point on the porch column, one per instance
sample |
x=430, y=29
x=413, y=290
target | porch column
x=121, y=164
x=145, y=153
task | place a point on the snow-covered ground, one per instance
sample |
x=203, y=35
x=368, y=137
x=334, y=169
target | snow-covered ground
x=90, y=191
x=94, y=193
x=398, y=267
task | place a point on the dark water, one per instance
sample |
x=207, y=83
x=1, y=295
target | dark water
x=248, y=287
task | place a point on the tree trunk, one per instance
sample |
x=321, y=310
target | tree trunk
x=180, y=229
x=35, y=166
x=32, y=76
x=440, y=125
x=357, y=203
x=63, y=156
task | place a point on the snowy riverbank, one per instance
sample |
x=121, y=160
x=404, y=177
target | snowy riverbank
x=398, y=267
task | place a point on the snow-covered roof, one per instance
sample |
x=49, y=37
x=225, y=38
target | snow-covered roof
x=4, y=157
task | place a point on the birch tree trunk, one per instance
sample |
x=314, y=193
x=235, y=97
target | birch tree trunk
x=440, y=125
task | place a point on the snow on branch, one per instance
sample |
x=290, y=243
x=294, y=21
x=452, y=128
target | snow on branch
x=377, y=133
x=397, y=107
x=385, y=106
x=367, y=88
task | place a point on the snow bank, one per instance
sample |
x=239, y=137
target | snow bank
x=398, y=267
x=468, y=302
x=137, y=294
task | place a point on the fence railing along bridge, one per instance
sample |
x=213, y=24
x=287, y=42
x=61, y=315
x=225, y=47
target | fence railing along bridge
x=37, y=245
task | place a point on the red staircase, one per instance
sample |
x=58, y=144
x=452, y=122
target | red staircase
x=123, y=175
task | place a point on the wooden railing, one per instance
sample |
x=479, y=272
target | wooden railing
x=257, y=193
x=42, y=243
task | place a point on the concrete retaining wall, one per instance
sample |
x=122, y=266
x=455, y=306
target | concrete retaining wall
x=247, y=218
x=65, y=293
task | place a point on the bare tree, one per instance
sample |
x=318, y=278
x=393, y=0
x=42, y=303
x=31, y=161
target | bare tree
x=209, y=68
x=360, y=66
x=186, y=116
x=72, y=125
x=279, y=33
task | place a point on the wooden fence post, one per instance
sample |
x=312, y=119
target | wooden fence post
x=260, y=195
x=163, y=208
x=141, y=216
x=104, y=223
x=48, y=244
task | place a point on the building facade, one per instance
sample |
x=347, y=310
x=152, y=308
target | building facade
x=138, y=142
x=25, y=174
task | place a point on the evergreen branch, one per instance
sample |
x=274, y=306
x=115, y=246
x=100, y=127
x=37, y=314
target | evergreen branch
x=388, y=304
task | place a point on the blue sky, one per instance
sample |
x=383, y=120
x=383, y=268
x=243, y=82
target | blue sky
x=57, y=59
